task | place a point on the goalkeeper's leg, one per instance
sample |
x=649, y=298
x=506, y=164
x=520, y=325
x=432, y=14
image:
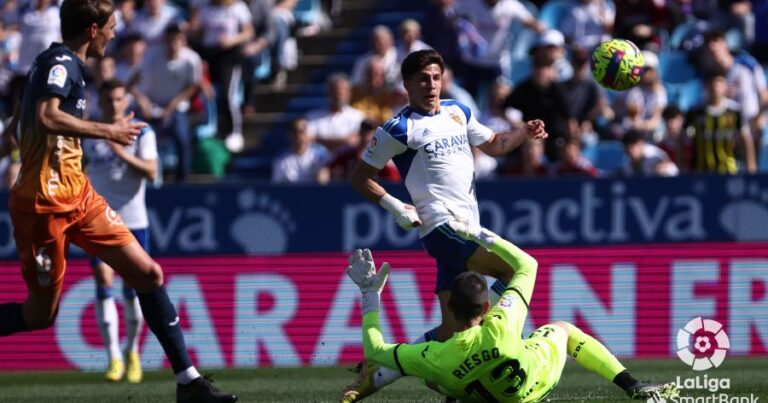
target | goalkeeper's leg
x=595, y=357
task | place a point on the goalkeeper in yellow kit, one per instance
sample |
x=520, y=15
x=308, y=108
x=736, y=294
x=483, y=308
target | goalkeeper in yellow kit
x=486, y=360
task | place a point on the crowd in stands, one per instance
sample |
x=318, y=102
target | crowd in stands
x=700, y=107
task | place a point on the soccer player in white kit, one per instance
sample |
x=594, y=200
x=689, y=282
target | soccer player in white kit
x=430, y=142
x=119, y=173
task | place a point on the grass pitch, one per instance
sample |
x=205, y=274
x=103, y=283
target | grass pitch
x=747, y=377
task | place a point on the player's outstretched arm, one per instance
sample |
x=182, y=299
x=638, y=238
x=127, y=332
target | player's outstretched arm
x=362, y=271
x=55, y=121
x=362, y=181
x=504, y=142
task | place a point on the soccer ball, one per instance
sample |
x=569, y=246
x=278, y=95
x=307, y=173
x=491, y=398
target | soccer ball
x=617, y=64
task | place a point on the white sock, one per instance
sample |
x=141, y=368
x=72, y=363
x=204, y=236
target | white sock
x=384, y=376
x=134, y=321
x=186, y=376
x=495, y=292
x=106, y=318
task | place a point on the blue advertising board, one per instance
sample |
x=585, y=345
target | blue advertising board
x=257, y=219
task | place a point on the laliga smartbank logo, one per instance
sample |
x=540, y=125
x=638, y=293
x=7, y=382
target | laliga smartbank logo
x=709, y=341
x=702, y=344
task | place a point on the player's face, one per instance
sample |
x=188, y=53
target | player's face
x=102, y=36
x=114, y=105
x=424, y=88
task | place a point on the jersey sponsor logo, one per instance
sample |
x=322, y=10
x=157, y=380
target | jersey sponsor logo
x=43, y=267
x=58, y=75
x=113, y=217
x=447, y=146
x=506, y=301
x=474, y=361
x=81, y=104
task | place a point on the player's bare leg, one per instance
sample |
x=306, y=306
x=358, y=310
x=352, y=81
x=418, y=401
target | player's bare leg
x=107, y=320
x=144, y=274
x=595, y=357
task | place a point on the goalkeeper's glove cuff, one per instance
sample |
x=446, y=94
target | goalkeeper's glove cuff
x=370, y=302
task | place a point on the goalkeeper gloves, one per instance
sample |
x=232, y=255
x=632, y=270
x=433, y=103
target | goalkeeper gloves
x=406, y=218
x=362, y=271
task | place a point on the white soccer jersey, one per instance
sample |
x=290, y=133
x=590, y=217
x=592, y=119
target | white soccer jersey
x=122, y=186
x=433, y=154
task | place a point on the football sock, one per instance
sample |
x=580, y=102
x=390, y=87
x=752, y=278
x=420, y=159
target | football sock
x=106, y=318
x=592, y=355
x=496, y=291
x=134, y=320
x=12, y=319
x=164, y=322
x=384, y=376
x=624, y=380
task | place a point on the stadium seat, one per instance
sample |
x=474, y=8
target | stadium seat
x=690, y=94
x=609, y=156
x=735, y=39
x=675, y=68
x=522, y=41
x=264, y=69
x=307, y=11
x=521, y=70
x=681, y=33
x=554, y=11
x=762, y=157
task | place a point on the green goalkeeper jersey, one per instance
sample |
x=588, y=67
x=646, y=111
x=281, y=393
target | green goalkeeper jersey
x=486, y=363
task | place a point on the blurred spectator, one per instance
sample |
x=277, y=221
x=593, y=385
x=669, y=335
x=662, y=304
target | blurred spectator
x=540, y=97
x=337, y=124
x=531, y=162
x=172, y=75
x=372, y=96
x=746, y=79
x=676, y=143
x=721, y=139
x=39, y=28
x=645, y=159
x=639, y=21
x=572, y=162
x=760, y=45
x=303, y=161
x=284, y=51
x=263, y=39
x=440, y=32
x=153, y=19
x=103, y=71
x=409, y=34
x=131, y=51
x=585, y=98
x=494, y=115
x=382, y=46
x=451, y=90
x=226, y=25
x=125, y=15
x=10, y=42
x=346, y=159
x=484, y=38
x=588, y=23
x=640, y=107
x=551, y=46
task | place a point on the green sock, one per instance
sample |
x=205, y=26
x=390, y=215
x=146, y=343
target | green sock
x=592, y=355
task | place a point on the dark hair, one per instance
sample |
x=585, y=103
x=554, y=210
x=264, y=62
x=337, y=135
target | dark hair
x=367, y=125
x=110, y=85
x=468, y=296
x=173, y=29
x=78, y=15
x=129, y=38
x=713, y=35
x=671, y=111
x=416, y=61
x=632, y=137
x=715, y=72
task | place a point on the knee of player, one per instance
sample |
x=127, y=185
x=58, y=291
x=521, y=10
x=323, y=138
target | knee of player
x=567, y=326
x=155, y=274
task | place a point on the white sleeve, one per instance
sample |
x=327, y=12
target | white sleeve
x=243, y=13
x=477, y=132
x=516, y=10
x=382, y=148
x=278, y=173
x=760, y=80
x=147, y=147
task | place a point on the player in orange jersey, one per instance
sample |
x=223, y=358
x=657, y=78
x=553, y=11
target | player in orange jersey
x=53, y=204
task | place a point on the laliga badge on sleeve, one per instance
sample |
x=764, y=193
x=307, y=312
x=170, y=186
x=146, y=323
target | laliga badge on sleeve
x=58, y=75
